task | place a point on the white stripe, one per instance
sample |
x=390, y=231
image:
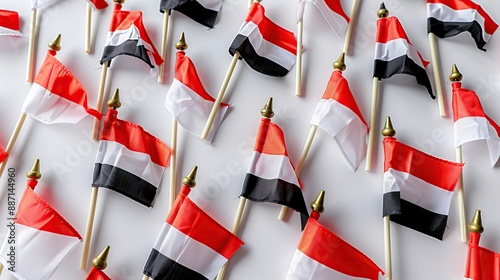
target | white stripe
x=272, y=167
x=37, y=4
x=336, y=21
x=184, y=250
x=267, y=49
x=396, y=48
x=50, y=108
x=417, y=191
x=192, y=111
x=477, y=128
x=4, y=31
x=38, y=252
x=213, y=5
x=137, y=163
x=444, y=13
x=345, y=127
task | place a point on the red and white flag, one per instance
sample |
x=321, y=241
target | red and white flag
x=471, y=123
x=338, y=115
x=37, y=4
x=42, y=238
x=98, y=4
x=56, y=95
x=189, y=102
x=482, y=263
x=96, y=274
x=332, y=12
x=9, y=23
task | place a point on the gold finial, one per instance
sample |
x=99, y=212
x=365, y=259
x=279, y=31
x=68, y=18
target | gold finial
x=382, y=11
x=115, y=100
x=34, y=173
x=476, y=225
x=190, y=179
x=181, y=45
x=339, y=64
x=318, y=204
x=101, y=261
x=267, y=111
x=388, y=129
x=55, y=45
x=455, y=75
x=119, y=1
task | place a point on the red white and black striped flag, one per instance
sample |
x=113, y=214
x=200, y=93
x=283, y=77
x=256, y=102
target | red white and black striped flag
x=9, y=23
x=202, y=11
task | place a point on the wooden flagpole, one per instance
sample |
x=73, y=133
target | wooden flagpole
x=31, y=48
x=438, y=84
x=88, y=28
x=350, y=27
x=298, y=66
x=100, y=98
x=388, y=131
x=164, y=41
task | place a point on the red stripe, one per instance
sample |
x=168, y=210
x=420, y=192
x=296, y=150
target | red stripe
x=135, y=138
x=99, y=4
x=9, y=19
x=270, y=139
x=191, y=220
x=336, y=7
x=271, y=31
x=95, y=274
x=3, y=155
x=482, y=263
x=438, y=172
x=34, y=212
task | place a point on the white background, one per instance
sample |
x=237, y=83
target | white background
x=353, y=199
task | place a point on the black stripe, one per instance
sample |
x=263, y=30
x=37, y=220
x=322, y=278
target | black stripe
x=277, y=191
x=119, y=180
x=391, y=203
x=128, y=47
x=159, y=267
x=402, y=65
x=450, y=29
x=258, y=63
x=192, y=9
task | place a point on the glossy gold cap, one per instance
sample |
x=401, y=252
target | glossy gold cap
x=318, y=204
x=455, y=75
x=119, y=1
x=34, y=173
x=388, y=129
x=55, y=45
x=190, y=179
x=339, y=64
x=267, y=111
x=476, y=225
x=101, y=261
x=181, y=45
x=114, y=102
x=382, y=11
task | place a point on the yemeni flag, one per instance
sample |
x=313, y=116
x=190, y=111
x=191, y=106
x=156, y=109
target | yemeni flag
x=266, y=47
x=202, y=11
x=312, y=260
x=98, y=4
x=471, y=123
x=130, y=160
x=127, y=36
x=9, y=23
x=191, y=245
x=96, y=274
x=271, y=177
x=394, y=54
x=189, y=102
x=447, y=18
x=338, y=115
x=418, y=188
x=482, y=263
x=332, y=12
x=43, y=238
x=56, y=95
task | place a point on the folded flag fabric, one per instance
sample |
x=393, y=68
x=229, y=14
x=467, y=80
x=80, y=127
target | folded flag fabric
x=394, y=54
x=202, y=11
x=43, y=238
x=447, y=18
x=189, y=102
x=98, y=4
x=37, y=4
x=471, y=123
x=96, y=274
x=338, y=115
x=266, y=47
x=271, y=176
x=482, y=263
x=332, y=12
x=9, y=23
x=3, y=155
x=127, y=36
x=130, y=160
x=56, y=95
x=191, y=244
x=418, y=188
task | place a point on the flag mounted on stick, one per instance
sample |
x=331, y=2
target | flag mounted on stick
x=203, y=12
x=91, y=5
x=99, y=263
x=9, y=24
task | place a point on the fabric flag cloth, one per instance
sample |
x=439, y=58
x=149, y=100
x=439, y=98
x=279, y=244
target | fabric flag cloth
x=394, y=54
x=130, y=160
x=418, y=188
x=37, y=4
x=127, y=36
x=3, y=155
x=338, y=115
x=202, y=11
x=56, y=95
x=332, y=12
x=482, y=263
x=266, y=47
x=98, y=4
x=271, y=176
x=188, y=101
x=471, y=123
x=191, y=244
x=9, y=23
x=447, y=18
x=96, y=274
x=43, y=238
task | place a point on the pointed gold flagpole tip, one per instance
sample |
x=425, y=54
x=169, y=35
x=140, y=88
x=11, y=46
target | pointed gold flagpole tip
x=55, y=45
x=101, y=261
x=476, y=225
x=181, y=45
x=190, y=179
x=339, y=64
x=267, y=111
x=34, y=173
x=114, y=102
x=382, y=11
x=455, y=75
x=318, y=204
x=388, y=129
